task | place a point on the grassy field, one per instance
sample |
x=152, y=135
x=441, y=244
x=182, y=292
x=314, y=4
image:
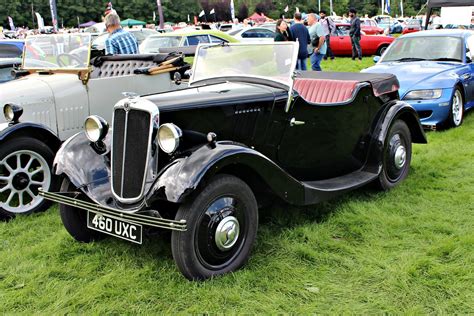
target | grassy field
x=410, y=250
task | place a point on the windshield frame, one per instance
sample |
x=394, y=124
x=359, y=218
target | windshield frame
x=462, y=56
x=59, y=69
x=288, y=84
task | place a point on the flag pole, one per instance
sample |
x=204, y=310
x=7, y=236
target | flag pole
x=160, y=14
x=33, y=15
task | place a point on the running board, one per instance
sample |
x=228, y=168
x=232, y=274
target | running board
x=318, y=191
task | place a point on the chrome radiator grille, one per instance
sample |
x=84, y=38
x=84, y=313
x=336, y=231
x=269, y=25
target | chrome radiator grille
x=130, y=148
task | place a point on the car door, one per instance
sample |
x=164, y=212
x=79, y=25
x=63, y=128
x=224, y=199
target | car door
x=323, y=141
x=470, y=65
x=342, y=41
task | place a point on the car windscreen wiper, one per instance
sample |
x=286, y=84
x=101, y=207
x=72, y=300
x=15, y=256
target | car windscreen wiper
x=409, y=59
x=446, y=59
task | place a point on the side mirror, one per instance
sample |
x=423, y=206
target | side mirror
x=376, y=59
x=468, y=57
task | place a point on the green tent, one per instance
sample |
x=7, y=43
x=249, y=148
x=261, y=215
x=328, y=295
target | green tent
x=131, y=22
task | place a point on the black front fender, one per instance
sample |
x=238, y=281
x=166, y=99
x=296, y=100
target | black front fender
x=89, y=170
x=86, y=167
x=184, y=175
x=29, y=129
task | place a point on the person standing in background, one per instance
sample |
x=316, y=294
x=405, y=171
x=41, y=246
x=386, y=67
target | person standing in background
x=300, y=33
x=330, y=29
x=354, y=33
x=318, y=42
x=282, y=33
x=119, y=41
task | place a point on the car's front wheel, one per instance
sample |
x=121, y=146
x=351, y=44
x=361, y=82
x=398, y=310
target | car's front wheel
x=456, y=114
x=222, y=223
x=396, y=155
x=25, y=166
x=75, y=219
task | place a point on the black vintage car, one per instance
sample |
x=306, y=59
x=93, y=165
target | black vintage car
x=200, y=161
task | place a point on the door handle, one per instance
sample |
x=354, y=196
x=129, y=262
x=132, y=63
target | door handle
x=294, y=122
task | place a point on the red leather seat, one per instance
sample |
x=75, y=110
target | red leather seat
x=325, y=91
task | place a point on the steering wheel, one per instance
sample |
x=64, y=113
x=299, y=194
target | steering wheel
x=63, y=63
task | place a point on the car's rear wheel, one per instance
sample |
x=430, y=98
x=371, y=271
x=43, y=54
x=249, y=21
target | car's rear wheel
x=75, y=219
x=222, y=223
x=456, y=115
x=382, y=50
x=396, y=155
x=25, y=166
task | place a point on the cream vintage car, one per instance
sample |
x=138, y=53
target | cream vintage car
x=57, y=91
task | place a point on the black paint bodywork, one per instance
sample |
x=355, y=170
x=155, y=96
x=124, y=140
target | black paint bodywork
x=337, y=149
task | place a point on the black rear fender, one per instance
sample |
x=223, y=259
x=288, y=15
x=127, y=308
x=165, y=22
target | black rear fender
x=405, y=112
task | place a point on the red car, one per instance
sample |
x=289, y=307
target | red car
x=370, y=27
x=370, y=44
x=412, y=26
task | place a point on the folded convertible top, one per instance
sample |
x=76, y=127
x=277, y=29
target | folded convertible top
x=381, y=83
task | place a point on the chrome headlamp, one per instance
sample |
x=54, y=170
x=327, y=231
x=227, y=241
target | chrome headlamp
x=169, y=136
x=96, y=128
x=12, y=112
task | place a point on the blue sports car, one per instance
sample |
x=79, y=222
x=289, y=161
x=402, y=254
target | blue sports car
x=436, y=73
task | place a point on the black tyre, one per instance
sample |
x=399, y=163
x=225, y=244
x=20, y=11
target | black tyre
x=25, y=166
x=396, y=155
x=75, y=219
x=456, y=114
x=222, y=223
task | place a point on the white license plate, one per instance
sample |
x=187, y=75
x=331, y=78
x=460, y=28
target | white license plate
x=115, y=227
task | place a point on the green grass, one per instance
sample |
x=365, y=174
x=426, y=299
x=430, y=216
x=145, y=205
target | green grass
x=410, y=250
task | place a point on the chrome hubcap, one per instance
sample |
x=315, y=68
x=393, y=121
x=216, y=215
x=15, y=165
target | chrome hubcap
x=227, y=233
x=400, y=157
x=457, y=108
x=21, y=174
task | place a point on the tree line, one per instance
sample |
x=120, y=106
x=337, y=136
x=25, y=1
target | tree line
x=70, y=11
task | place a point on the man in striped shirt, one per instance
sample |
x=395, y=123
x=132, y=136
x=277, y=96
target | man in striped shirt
x=119, y=41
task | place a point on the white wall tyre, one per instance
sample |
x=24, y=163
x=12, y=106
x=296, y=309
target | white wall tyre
x=25, y=166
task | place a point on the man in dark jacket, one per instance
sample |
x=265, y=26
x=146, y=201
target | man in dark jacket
x=354, y=33
x=300, y=34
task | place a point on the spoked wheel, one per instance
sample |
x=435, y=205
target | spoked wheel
x=75, y=219
x=396, y=155
x=222, y=225
x=25, y=166
x=456, y=114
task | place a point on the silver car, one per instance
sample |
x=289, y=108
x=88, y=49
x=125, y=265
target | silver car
x=50, y=103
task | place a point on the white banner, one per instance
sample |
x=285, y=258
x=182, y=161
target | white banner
x=456, y=15
x=10, y=22
x=40, y=20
